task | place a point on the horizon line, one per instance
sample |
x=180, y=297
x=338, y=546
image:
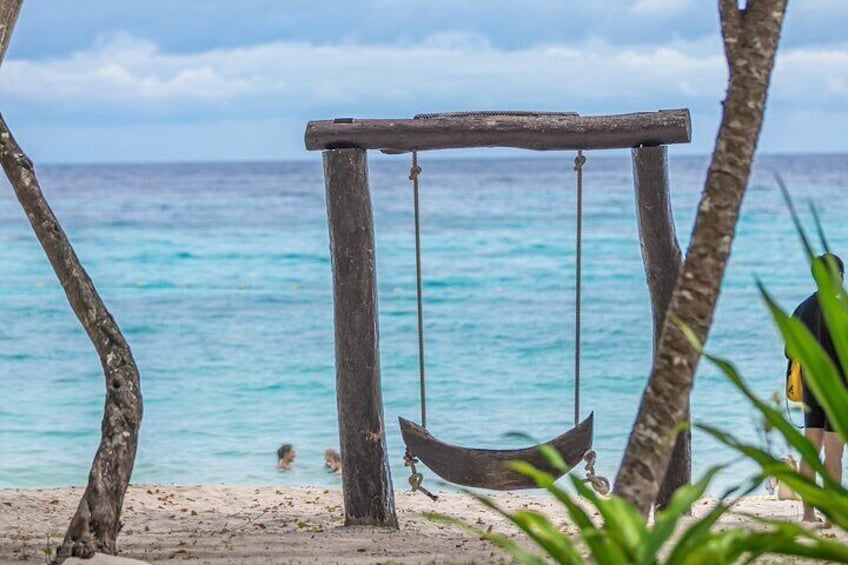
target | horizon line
x=535, y=155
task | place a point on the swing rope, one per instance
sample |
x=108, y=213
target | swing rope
x=413, y=176
x=599, y=483
x=415, y=479
x=409, y=459
x=579, y=161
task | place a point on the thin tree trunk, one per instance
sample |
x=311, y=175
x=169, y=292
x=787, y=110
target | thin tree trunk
x=96, y=523
x=751, y=37
x=662, y=258
x=9, y=10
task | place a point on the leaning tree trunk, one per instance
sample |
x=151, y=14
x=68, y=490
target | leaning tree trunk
x=9, y=10
x=96, y=523
x=750, y=41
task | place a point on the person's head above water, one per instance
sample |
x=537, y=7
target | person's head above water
x=332, y=460
x=285, y=456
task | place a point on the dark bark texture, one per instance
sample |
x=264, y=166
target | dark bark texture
x=543, y=132
x=662, y=258
x=96, y=524
x=366, y=478
x=9, y=10
x=751, y=37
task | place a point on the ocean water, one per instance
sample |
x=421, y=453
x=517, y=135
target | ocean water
x=219, y=276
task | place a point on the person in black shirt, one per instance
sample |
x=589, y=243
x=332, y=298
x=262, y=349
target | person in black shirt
x=817, y=427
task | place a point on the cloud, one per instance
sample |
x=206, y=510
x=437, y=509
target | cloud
x=662, y=8
x=445, y=71
x=128, y=82
x=446, y=68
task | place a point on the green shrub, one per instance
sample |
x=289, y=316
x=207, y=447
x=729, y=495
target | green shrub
x=625, y=536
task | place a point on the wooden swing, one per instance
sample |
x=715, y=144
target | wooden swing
x=366, y=480
x=488, y=468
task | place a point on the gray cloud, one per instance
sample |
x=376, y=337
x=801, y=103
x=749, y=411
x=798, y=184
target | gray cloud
x=129, y=84
x=445, y=70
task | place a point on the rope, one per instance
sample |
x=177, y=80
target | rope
x=495, y=113
x=414, y=171
x=599, y=483
x=579, y=161
x=409, y=460
x=416, y=478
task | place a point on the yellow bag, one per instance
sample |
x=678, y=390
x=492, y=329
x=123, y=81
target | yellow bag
x=794, y=384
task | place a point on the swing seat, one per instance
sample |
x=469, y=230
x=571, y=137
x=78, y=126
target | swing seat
x=487, y=468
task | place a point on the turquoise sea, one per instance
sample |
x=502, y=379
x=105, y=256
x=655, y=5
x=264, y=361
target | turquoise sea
x=219, y=276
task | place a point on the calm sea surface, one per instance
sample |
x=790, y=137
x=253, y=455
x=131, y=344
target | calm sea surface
x=219, y=276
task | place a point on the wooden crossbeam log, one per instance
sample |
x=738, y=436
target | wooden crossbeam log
x=540, y=132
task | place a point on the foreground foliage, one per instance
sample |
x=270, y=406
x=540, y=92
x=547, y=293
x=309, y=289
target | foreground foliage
x=623, y=535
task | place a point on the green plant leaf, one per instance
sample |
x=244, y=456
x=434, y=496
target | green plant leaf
x=776, y=419
x=555, y=543
x=514, y=549
x=695, y=536
x=666, y=520
x=547, y=481
x=787, y=198
x=833, y=502
x=833, y=399
x=624, y=526
x=554, y=458
x=819, y=228
x=820, y=374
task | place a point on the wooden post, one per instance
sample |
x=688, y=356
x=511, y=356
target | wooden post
x=366, y=478
x=662, y=259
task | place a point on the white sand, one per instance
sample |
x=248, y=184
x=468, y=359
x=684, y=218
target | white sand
x=229, y=525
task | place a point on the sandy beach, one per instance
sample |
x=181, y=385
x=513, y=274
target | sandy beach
x=229, y=525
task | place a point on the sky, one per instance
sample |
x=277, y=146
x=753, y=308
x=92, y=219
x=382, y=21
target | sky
x=212, y=80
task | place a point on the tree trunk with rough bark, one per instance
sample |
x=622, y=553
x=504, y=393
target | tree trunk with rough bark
x=751, y=36
x=96, y=523
x=9, y=10
x=662, y=258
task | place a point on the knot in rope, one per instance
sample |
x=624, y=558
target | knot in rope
x=416, y=478
x=415, y=170
x=599, y=483
x=579, y=161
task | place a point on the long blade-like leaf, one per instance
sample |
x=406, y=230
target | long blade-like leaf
x=819, y=228
x=773, y=417
x=514, y=549
x=820, y=373
x=681, y=502
x=795, y=219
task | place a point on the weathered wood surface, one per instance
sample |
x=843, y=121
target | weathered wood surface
x=487, y=468
x=96, y=523
x=9, y=10
x=662, y=259
x=545, y=132
x=366, y=478
x=751, y=34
